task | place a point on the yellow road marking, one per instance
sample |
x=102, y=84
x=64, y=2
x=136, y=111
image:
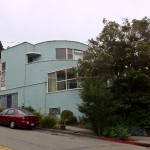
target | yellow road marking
x=4, y=148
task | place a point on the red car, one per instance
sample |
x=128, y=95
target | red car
x=15, y=117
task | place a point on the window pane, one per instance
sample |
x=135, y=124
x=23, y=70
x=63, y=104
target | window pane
x=61, y=75
x=61, y=85
x=78, y=54
x=51, y=82
x=71, y=84
x=71, y=73
x=2, y=82
x=3, y=66
x=70, y=56
x=60, y=53
x=79, y=85
x=69, y=51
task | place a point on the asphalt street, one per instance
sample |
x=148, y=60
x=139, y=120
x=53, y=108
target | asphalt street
x=24, y=139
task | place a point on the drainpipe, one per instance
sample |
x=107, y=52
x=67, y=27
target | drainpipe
x=45, y=96
x=24, y=97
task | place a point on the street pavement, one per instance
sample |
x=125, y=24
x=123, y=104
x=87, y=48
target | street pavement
x=24, y=139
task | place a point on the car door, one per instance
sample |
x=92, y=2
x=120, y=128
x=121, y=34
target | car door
x=9, y=116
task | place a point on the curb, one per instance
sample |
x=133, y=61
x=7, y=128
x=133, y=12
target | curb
x=125, y=142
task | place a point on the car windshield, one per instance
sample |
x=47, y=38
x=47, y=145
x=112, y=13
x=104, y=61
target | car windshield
x=24, y=112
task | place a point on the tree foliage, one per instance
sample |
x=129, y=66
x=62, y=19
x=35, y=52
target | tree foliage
x=1, y=48
x=116, y=72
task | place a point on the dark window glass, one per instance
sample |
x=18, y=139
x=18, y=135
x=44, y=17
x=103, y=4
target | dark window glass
x=33, y=58
x=55, y=111
x=30, y=59
x=61, y=85
x=60, y=53
x=71, y=73
x=71, y=84
x=3, y=66
x=61, y=75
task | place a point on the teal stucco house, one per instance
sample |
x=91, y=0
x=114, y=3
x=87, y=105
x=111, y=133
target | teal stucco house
x=41, y=76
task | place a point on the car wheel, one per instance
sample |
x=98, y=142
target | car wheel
x=12, y=125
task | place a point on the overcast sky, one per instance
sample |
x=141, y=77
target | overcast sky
x=36, y=21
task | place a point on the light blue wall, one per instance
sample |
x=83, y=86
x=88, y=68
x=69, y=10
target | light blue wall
x=48, y=48
x=15, y=59
x=35, y=96
x=29, y=80
x=64, y=100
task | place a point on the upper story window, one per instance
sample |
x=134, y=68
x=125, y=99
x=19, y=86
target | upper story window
x=60, y=53
x=33, y=59
x=63, y=80
x=68, y=54
x=33, y=56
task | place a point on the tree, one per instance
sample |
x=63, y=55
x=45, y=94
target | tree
x=1, y=48
x=117, y=62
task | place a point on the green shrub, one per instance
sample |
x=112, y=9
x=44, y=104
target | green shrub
x=38, y=114
x=136, y=131
x=68, y=118
x=29, y=108
x=1, y=109
x=73, y=120
x=145, y=123
x=49, y=121
x=119, y=132
x=83, y=122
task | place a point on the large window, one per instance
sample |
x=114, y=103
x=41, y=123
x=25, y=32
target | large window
x=68, y=54
x=63, y=80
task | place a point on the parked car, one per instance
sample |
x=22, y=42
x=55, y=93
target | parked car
x=15, y=117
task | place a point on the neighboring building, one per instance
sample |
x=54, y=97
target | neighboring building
x=41, y=76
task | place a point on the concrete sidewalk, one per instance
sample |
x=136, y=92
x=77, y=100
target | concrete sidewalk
x=90, y=133
x=79, y=130
x=143, y=139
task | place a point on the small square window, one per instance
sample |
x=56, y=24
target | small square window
x=55, y=111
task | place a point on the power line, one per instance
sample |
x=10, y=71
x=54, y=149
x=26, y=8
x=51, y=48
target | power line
x=10, y=42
